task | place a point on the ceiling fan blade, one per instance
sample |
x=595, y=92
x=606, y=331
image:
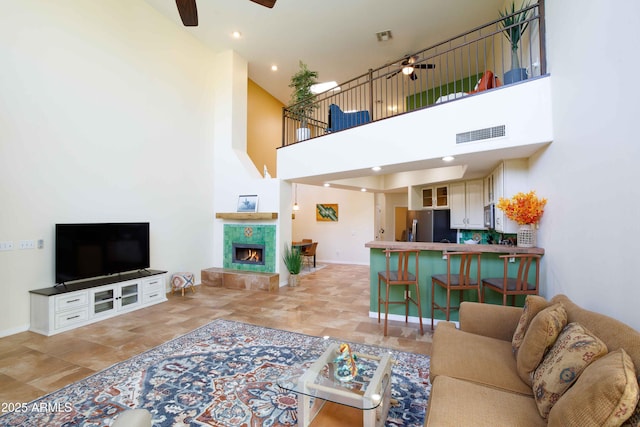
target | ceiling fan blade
x=265, y=3
x=413, y=76
x=188, y=12
x=424, y=66
x=393, y=74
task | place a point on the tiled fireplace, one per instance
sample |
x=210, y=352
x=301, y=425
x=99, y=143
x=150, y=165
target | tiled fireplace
x=250, y=247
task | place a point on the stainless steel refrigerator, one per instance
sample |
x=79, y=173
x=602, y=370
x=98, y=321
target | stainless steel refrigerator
x=429, y=225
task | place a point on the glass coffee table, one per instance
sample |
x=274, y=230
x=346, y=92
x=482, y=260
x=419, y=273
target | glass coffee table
x=322, y=398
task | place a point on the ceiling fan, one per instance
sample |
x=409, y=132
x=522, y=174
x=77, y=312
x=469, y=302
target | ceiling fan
x=408, y=67
x=189, y=12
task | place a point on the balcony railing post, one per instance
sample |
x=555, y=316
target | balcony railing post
x=373, y=118
x=543, y=42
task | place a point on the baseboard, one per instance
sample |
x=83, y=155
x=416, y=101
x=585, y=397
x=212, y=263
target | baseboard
x=13, y=331
x=412, y=319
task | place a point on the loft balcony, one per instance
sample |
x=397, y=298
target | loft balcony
x=459, y=97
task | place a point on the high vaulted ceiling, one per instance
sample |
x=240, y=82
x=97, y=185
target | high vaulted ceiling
x=337, y=38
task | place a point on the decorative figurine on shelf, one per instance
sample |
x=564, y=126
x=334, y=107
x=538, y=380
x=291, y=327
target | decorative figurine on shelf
x=345, y=362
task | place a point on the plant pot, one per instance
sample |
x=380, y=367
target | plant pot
x=302, y=134
x=527, y=236
x=293, y=280
x=515, y=75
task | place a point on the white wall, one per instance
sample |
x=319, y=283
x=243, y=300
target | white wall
x=342, y=241
x=590, y=172
x=105, y=115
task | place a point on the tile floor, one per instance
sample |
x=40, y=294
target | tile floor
x=330, y=301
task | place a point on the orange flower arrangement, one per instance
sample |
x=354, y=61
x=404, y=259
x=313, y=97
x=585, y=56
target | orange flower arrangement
x=523, y=208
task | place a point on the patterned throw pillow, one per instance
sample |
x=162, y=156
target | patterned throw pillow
x=634, y=419
x=533, y=305
x=540, y=336
x=572, y=352
x=605, y=394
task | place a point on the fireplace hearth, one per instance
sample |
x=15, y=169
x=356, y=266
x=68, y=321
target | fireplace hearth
x=244, y=253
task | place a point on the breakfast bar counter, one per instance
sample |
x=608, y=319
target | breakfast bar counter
x=454, y=247
x=432, y=261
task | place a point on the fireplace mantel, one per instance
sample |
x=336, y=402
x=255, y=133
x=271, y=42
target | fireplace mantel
x=256, y=216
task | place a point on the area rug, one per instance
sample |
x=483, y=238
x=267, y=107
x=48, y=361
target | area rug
x=222, y=374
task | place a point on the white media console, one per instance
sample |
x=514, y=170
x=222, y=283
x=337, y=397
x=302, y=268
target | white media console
x=64, y=307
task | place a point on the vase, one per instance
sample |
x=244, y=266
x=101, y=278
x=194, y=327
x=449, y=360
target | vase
x=293, y=280
x=526, y=236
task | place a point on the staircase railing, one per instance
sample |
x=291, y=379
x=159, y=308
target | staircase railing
x=441, y=73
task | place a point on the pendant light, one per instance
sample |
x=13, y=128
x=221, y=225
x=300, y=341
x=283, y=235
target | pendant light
x=296, y=207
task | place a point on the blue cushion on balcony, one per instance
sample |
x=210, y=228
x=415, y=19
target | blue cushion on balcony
x=339, y=120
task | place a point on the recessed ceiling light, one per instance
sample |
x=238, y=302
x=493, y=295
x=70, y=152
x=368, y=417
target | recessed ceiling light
x=448, y=158
x=326, y=184
x=274, y=68
x=236, y=34
x=376, y=168
x=363, y=190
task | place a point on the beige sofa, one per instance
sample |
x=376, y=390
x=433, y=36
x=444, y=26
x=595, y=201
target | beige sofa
x=478, y=379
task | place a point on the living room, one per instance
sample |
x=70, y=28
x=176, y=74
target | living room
x=113, y=112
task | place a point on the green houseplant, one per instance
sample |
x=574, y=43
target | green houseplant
x=302, y=99
x=514, y=25
x=292, y=258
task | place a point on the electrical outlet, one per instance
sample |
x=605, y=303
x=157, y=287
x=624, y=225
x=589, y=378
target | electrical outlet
x=27, y=244
x=512, y=260
x=6, y=246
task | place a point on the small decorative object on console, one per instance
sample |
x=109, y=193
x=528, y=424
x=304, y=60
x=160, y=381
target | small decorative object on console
x=346, y=367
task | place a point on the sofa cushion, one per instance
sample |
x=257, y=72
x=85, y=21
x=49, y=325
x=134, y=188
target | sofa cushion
x=454, y=402
x=540, y=336
x=471, y=357
x=604, y=395
x=533, y=305
x=572, y=352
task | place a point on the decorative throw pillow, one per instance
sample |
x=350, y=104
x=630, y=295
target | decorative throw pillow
x=634, y=420
x=540, y=336
x=533, y=305
x=572, y=352
x=604, y=395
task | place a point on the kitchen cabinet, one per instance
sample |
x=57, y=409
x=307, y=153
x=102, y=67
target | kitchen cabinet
x=435, y=197
x=467, y=204
x=509, y=178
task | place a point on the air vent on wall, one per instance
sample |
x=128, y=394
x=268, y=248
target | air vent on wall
x=479, y=134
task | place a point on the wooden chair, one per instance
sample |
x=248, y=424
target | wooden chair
x=460, y=282
x=401, y=276
x=519, y=285
x=307, y=240
x=309, y=254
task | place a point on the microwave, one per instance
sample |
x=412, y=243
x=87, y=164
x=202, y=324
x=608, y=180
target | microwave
x=489, y=216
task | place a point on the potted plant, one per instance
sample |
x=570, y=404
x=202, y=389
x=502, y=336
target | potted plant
x=293, y=261
x=302, y=99
x=526, y=209
x=514, y=25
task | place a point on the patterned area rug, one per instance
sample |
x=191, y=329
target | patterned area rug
x=222, y=374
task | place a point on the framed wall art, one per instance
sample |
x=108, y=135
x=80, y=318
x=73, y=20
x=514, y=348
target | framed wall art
x=248, y=203
x=327, y=212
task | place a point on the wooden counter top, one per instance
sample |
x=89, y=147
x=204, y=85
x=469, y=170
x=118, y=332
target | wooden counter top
x=453, y=247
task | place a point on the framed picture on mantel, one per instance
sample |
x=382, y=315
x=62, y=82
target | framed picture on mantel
x=248, y=203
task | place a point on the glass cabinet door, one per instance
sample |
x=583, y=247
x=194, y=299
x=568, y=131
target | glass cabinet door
x=129, y=295
x=103, y=301
x=442, y=196
x=427, y=197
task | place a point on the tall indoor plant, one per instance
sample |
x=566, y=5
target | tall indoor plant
x=292, y=258
x=514, y=25
x=302, y=99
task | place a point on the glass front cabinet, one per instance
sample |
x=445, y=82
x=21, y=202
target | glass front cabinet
x=106, y=300
x=435, y=197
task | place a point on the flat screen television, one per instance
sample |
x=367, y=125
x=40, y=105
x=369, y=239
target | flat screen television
x=84, y=251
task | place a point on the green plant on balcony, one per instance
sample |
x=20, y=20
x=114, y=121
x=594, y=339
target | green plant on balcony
x=302, y=99
x=514, y=24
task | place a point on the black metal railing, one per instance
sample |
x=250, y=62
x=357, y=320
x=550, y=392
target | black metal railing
x=477, y=60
